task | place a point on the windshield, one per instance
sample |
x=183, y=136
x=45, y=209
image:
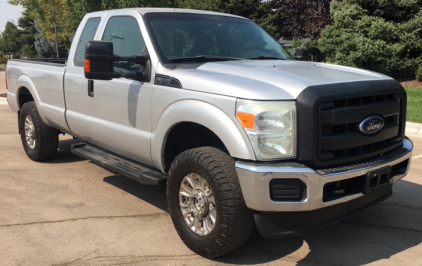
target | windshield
x=178, y=36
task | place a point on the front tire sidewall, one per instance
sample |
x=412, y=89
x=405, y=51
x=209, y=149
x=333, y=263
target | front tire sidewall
x=234, y=223
x=200, y=242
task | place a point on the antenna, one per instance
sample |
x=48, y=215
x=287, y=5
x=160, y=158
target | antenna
x=174, y=32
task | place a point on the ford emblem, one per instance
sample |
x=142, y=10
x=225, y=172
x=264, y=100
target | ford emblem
x=371, y=125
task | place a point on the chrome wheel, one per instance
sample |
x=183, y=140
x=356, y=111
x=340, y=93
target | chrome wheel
x=197, y=204
x=29, y=132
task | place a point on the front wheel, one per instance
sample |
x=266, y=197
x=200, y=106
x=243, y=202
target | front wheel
x=206, y=202
x=39, y=141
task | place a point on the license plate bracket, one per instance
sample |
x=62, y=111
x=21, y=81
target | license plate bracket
x=377, y=179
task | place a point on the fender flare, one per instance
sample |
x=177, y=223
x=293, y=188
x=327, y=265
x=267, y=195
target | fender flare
x=204, y=114
x=25, y=82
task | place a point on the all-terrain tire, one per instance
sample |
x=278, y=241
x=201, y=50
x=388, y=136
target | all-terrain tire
x=46, y=138
x=234, y=223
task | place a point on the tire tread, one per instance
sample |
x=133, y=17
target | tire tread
x=237, y=220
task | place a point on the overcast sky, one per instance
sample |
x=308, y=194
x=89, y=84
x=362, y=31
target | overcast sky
x=8, y=12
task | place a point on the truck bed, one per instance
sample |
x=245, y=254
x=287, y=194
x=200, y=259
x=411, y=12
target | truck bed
x=58, y=61
x=44, y=79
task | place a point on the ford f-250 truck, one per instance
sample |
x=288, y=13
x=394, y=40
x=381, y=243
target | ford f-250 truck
x=243, y=133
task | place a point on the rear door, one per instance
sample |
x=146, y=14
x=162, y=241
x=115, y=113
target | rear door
x=120, y=113
x=75, y=83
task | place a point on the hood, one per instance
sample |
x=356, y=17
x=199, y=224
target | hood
x=265, y=79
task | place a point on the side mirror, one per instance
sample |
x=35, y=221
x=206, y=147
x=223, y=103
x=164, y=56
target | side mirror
x=99, y=60
x=301, y=53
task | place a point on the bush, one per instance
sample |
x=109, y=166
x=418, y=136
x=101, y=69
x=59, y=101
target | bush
x=383, y=36
x=314, y=51
x=3, y=60
x=419, y=74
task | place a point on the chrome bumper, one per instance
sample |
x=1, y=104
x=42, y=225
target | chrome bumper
x=255, y=180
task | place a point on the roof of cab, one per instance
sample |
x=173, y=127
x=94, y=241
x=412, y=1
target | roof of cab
x=146, y=10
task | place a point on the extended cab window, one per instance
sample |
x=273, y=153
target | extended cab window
x=88, y=34
x=127, y=41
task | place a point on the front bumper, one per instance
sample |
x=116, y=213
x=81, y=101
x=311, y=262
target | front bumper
x=255, y=177
x=283, y=224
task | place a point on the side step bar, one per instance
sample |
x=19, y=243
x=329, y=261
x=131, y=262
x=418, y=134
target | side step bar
x=119, y=164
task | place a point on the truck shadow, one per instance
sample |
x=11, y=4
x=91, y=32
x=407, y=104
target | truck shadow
x=375, y=234
x=154, y=195
x=64, y=155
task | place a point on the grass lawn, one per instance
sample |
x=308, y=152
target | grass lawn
x=414, y=105
x=2, y=67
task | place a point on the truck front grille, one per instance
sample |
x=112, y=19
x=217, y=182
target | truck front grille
x=339, y=138
x=328, y=118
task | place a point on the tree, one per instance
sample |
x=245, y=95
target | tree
x=384, y=36
x=27, y=35
x=302, y=18
x=10, y=39
x=46, y=48
x=262, y=13
x=53, y=17
x=1, y=47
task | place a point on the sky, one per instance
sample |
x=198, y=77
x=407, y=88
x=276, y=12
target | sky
x=8, y=12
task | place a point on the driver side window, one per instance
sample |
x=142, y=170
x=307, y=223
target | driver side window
x=127, y=40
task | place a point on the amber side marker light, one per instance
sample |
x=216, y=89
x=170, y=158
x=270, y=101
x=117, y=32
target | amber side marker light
x=87, y=65
x=246, y=119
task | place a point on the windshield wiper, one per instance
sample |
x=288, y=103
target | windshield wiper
x=261, y=57
x=202, y=58
x=115, y=37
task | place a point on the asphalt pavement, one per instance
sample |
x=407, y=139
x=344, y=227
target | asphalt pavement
x=68, y=211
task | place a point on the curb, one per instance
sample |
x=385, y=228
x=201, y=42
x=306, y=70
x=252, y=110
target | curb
x=413, y=128
x=3, y=101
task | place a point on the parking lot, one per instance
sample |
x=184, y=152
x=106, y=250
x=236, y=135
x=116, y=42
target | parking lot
x=68, y=211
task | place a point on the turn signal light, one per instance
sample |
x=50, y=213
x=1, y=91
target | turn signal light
x=246, y=119
x=87, y=65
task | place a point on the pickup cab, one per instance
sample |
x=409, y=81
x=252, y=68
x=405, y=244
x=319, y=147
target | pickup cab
x=243, y=133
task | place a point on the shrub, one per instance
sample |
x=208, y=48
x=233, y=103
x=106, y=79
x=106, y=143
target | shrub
x=419, y=74
x=3, y=60
x=383, y=36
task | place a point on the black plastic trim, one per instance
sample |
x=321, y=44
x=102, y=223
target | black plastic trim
x=308, y=104
x=287, y=190
x=167, y=81
x=284, y=224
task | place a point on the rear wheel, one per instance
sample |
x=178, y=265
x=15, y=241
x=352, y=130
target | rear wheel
x=206, y=203
x=39, y=141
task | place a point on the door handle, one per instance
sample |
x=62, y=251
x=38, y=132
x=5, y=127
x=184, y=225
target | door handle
x=90, y=88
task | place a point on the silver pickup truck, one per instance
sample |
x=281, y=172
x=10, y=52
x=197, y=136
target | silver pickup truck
x=243, y=133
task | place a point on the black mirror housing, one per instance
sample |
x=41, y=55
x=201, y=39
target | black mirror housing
x=99, y=60
x=302, y=54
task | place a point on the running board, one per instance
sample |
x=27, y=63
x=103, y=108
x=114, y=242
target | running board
x=119, y=164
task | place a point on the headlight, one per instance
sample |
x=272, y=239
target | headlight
x=271, y=127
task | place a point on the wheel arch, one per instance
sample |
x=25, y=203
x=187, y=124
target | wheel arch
x=25, y=86
x=206, y=116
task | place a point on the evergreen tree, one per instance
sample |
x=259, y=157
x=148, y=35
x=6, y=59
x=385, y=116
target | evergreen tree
x=27, y=35
x=384, y=36
x=10, y=39
x=46, y=48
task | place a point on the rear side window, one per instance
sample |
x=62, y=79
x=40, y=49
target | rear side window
x=88, y=34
